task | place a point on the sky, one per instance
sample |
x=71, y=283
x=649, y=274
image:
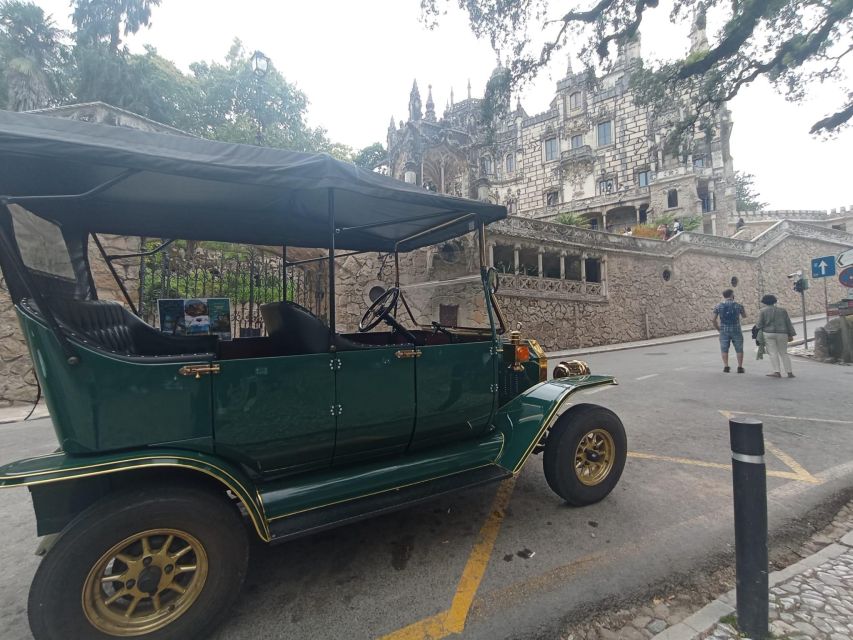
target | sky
x=356, y=62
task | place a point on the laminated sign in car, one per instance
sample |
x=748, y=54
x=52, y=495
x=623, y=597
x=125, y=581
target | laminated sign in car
x=177, y=444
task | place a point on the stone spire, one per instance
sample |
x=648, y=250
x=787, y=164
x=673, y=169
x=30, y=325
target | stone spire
x=392, y=128
x=447, y=110
x=698, y=37
x=569, y=71
x=415, y=103
x=451, y=96
x=469, y=88
x=430, y=106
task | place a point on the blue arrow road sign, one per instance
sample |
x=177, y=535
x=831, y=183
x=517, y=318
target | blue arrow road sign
x=823, y=267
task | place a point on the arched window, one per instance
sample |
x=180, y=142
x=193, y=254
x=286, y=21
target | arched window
x=510, y=162
x=486, y=165
x=672, y=198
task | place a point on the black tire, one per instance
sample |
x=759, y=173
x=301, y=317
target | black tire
x=58, y=592
x=562, y=446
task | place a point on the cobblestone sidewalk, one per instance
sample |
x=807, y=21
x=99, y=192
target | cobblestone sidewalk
x=809, y=600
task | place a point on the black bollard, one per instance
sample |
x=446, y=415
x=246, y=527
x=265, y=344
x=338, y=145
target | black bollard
x=749, y=480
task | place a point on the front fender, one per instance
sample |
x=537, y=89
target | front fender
x=61, y=467
x=526, y=417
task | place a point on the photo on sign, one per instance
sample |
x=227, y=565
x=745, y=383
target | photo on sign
x=195, y=316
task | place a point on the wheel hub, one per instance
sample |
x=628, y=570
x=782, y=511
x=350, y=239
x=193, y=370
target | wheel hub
x=145, y=582
x=149, y=579
x=594, y=457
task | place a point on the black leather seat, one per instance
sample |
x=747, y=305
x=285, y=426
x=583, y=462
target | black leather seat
x=297, y=331
x=110, y=327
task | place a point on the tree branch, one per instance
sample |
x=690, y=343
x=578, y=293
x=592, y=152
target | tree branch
x=834, y=121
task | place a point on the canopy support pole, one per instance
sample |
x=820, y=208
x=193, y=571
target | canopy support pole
x=115, y=274
x=332, y=232
x=74, y=196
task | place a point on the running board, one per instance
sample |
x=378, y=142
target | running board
x=316, y=520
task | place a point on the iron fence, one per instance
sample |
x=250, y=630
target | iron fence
x=248, y=276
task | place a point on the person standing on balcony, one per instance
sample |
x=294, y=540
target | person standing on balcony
x=727, y=315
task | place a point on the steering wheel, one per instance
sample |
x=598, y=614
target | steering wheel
x=380, y=309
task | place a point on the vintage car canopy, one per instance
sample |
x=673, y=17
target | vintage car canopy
x=172, y=186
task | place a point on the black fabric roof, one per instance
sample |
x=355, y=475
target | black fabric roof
x=204, y=190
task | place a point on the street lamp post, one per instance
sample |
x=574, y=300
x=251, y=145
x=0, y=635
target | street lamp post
x=260, y=66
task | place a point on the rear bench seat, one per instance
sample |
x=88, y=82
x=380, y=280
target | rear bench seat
x=108, y=326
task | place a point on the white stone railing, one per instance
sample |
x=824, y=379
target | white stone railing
x=533, y=286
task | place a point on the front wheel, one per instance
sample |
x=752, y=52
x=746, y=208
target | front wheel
x=158, y=563
x=584, y=455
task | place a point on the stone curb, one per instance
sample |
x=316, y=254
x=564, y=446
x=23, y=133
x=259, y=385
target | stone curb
x=708, y=616
x=639, y=344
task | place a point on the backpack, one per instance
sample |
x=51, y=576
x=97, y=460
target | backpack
x=729, y=313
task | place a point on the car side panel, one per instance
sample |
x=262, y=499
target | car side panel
x=275, y=414
x=456, y=392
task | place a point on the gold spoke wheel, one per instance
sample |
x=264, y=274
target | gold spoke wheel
x=145, y=582
x=594, y=457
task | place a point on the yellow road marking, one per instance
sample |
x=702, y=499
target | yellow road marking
x=801, y=472
x=797, y=472
x=452, y=620
x=729, y=414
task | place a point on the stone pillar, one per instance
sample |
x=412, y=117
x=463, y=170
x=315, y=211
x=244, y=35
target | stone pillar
x=562, y=265
x=604, y=221
x=637, y=212
x=540, y=256
x=583, y=267
x=603, y=272
x=516, y=249
x=491, y=254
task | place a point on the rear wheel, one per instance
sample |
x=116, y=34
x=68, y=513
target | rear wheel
x=584, y=455
x=156, y=563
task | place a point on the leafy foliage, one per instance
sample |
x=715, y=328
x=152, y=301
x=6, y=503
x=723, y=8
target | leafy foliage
x=371, y=156
x=748, y=198
x=573, y=219
x=105, y=21
x=33, y=56
x=792, y=43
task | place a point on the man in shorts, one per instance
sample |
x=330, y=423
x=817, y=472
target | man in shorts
x=727, y=315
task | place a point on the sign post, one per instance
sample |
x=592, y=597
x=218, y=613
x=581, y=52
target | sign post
x=824, y=267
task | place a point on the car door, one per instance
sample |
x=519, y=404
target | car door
x=456, y=391
x=276, y=414
x=375, y=402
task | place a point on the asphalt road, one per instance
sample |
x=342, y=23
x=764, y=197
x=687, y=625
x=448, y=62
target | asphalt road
x=512, y=561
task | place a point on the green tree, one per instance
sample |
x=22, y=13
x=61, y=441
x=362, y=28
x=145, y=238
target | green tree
x=748, y=198
x=371, y=156
x=33, y=55
x=106, y=21
x=235, y=103
x=793, y=43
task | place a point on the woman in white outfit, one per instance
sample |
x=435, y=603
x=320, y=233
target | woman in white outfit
x=778, y=332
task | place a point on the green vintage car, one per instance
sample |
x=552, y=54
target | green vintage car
x=175, y=450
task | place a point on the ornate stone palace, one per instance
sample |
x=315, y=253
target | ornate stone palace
x=594, y=152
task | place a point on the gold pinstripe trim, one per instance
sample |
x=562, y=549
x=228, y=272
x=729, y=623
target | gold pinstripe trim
x=402, y=486
x=547, y=422
x=257, y=516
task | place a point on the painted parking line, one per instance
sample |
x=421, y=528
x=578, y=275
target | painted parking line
x=729, y=414
x=651, y=375
x=453, y=620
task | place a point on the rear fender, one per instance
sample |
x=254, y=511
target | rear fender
x=526, y=418
x=56, y=478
